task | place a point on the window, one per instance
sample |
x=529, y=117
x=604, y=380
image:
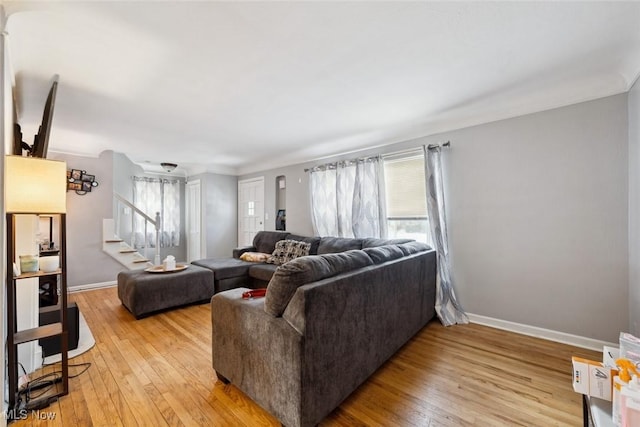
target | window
x=406, y=197
x=153, y=195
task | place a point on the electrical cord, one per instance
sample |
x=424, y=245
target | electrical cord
x=24, y=371
x=46, y=381
x=86, y=365
x=42, y=383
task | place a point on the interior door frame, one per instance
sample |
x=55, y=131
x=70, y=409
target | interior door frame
x=240, y=210
x=201, y=224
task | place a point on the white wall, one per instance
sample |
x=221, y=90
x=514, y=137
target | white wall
x=634, y=209
x=538, y=216
x=86, y=262
x=297, y=200
x=27, y=297
x=220, y=213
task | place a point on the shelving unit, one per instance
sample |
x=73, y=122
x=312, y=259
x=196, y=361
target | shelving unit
x=60, y=387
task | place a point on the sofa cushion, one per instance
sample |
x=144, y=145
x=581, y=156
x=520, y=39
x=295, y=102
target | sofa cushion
x=265, y=241
x=254, y=257
x=314, y=241
x=372, y=242
x=300, y=271
x=262, y=271
x=332, y=245
x=224, y=268
x=413, y=247
x=382, y=254
x=286, y=250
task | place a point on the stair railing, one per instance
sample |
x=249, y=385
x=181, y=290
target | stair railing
x=147, y=220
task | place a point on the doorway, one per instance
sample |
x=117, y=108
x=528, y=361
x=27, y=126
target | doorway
x=281, y=203
x=250, y=209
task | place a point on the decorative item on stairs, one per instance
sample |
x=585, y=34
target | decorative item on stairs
x=80, y=181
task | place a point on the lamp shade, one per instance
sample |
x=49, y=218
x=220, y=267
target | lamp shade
x=34, y=185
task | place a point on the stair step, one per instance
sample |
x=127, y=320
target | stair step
x=141, y=260
x=114, y=241
x=127, y=251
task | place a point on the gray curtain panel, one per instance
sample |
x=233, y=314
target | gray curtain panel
x=448, y=308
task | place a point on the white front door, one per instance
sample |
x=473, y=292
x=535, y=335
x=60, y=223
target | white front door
x=250, y=209
x=195, y=246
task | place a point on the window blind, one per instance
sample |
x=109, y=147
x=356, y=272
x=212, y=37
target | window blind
x=405, y=187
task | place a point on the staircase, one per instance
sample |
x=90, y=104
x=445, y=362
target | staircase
x=120, y=250
x=123, y=251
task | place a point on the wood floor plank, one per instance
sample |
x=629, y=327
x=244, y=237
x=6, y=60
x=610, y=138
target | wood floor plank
x=157, y=371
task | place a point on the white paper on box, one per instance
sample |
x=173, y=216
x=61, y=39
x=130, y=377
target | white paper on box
x=600, y=382
x=580, y=375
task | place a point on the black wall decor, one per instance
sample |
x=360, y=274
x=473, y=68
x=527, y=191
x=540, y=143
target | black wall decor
x=80, y=181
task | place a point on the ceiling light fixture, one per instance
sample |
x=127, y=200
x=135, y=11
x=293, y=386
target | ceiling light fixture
x=169, y=167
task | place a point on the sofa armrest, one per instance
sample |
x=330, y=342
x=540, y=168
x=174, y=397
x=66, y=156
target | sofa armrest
x=239, y=251
x=258, y=353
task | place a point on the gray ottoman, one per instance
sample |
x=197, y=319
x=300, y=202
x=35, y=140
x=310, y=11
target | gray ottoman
x=228, y=273
x=143, y=293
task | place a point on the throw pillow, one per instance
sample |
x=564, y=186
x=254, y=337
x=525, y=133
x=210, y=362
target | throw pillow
x=254, y=257
x=286, y=250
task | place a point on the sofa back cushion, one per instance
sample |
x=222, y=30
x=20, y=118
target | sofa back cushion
x=300, y=271
x=332, y=245
x=413, y=247
x=382, y=254
x=372, y=242
x=265, y=241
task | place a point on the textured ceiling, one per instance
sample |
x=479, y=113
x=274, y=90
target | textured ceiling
x=236, y=87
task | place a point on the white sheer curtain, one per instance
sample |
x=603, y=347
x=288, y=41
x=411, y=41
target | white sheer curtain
x=170, y=213
x=448, y=308
x=346, y=199
x=368, y=216
x=324, y=200
x=153, y=195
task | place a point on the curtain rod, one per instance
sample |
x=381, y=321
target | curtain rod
x=444, y=144
x=358, y=159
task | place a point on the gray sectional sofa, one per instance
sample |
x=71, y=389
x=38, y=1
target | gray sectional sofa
x=328, y=322
x=230, y=273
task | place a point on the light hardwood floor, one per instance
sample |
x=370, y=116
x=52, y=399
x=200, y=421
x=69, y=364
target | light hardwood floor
x=157, y=371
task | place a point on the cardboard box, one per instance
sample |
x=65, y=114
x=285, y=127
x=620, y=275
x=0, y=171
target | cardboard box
x=592, y=378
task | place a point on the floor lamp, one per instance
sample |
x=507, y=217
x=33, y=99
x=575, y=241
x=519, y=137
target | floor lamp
x=34, y=186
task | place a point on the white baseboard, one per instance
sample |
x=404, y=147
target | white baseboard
x=91, y=286
x=534, y=331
